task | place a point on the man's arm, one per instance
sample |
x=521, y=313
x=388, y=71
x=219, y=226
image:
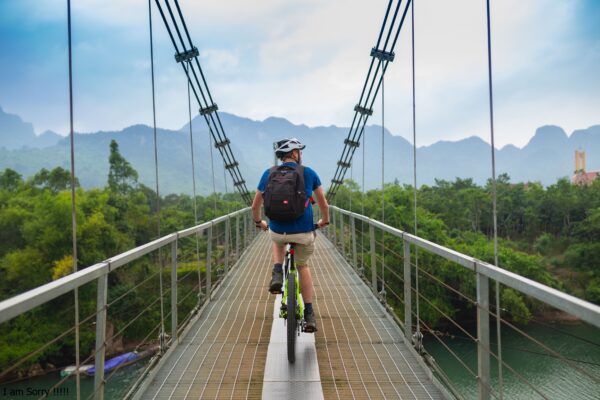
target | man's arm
x=256, y=214
x=323, y=206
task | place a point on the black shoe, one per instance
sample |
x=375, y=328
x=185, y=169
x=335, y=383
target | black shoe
x=276, y=282
x=310, y=325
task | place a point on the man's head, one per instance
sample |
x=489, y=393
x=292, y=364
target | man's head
x=289, y=149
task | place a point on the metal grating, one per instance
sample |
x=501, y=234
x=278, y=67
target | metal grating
x=361, y=352
x=223, y=354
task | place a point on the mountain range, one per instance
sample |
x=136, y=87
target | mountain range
x=549, y=154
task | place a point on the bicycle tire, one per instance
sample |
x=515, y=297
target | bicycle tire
x=291, y=316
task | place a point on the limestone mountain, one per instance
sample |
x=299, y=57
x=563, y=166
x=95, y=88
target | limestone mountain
x=547, y=156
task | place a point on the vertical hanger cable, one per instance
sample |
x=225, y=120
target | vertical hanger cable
x=73, y=209
x=494, y=198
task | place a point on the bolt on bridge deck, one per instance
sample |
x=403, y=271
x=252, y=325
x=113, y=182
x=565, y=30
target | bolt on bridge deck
x=360, y=350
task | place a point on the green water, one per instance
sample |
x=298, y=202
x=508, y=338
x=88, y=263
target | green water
x=551, y=376
x=554, y=378
x=117, y=386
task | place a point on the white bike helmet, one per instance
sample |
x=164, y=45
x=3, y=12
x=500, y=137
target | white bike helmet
x=285, y=146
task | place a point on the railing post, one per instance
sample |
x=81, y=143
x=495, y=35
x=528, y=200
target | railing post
x=342, y=240
x=354, y=257
x=237, y=235
x=173, y=291
x=483, y=337
x=209, y=262
x=100, y=336
x=407, y=292
x=332, y=216
x=246, y=230
x=373, y=259
x=251, y=227
x=227, y=233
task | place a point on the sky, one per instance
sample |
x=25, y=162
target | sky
x=306, y=61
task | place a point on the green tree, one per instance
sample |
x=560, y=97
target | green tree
x=10, y=180
x=122, y=178
x=56, y=180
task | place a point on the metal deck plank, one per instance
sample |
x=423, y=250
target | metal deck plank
x=360, y=353
x=354, y=325
x=223, y=355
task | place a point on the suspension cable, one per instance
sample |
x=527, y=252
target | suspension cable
x=362, y=202
x=383, y=183
x=364, y=108
x=226, y=186
x=73, y=209
x=195, y=75
x=160, y=277
x=350, y=190
x=419, y=336
x=212, y=171
x=494, y=197
x=194, y=187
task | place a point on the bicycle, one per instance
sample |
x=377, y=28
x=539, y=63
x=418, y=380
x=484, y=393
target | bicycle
x=291, y=299
x=292, y=305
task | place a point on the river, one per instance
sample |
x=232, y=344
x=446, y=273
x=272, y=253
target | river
x=116, y=387
x=551, y=376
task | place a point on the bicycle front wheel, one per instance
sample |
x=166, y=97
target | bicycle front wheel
x=291, y=316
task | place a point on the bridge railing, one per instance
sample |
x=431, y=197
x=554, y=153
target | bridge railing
x=176, y=275
x=387, y=260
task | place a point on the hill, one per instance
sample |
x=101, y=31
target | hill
x=547, y=156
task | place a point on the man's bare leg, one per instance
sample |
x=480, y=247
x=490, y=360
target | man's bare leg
x=306, y=287
x=306, y=283
x=278, y=253
x=276, y=275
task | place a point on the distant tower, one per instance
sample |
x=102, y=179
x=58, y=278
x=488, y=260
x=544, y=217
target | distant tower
x=579, y=161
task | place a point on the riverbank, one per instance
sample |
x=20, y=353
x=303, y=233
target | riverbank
x=38, y=370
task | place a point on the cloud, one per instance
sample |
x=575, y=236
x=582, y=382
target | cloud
x=220, y=60
x=307, y=61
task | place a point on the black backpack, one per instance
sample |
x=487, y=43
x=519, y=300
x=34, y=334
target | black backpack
x=285, y=194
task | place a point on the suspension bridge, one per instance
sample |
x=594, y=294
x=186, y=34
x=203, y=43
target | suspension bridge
x=368, y=276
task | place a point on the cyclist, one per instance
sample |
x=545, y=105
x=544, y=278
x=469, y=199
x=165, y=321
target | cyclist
x=300, y=230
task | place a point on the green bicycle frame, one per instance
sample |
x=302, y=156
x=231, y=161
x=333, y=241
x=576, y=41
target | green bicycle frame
x=290, y=265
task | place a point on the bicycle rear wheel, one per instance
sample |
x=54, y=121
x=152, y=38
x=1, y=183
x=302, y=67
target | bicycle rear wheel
x=291, y=316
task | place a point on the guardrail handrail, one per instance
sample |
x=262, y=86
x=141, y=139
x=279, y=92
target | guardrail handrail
x=99, y=272
x=579, y=308
x=483, y=271
x=26, y=301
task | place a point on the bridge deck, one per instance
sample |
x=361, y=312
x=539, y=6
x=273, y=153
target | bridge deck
x=360, y=351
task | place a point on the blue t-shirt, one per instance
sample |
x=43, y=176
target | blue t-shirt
x=304, y=223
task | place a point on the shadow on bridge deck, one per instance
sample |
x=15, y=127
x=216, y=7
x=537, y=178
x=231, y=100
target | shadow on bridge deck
x=360, y=350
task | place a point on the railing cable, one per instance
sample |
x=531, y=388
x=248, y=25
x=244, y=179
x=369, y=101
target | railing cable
x=73, y=209
x=494, y=197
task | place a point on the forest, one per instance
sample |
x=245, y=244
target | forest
x=549, y=234
x=36, y=248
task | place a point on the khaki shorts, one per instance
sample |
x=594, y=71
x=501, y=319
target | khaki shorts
x=304, y=244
